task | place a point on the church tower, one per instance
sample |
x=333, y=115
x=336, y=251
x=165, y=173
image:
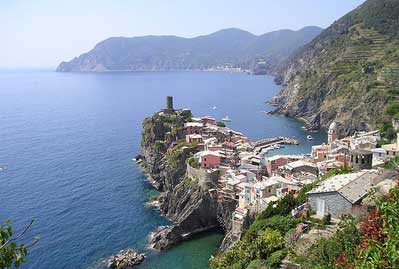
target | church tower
x=332, y=132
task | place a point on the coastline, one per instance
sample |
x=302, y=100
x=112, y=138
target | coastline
x=140, y=160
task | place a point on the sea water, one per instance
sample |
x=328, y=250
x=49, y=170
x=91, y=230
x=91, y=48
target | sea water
x=67, y=141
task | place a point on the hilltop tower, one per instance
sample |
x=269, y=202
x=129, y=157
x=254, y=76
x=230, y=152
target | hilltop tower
x=169, y=104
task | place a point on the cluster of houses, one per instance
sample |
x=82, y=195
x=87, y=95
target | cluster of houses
x=228, y=164
x=343, y=194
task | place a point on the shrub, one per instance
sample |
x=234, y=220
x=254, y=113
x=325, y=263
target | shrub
x=274, y=260
x=280, y=223
x=221, y=124
x=392, y=109
x=257, y=264
x=323, y=253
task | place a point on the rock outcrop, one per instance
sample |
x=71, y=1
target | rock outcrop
x=191, y=207
x=125, y=259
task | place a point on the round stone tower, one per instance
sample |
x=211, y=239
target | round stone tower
x=169, y=103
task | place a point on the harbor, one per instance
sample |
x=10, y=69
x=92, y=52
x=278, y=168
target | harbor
x=271, y=143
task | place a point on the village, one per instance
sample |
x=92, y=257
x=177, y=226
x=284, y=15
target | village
x=232, y=167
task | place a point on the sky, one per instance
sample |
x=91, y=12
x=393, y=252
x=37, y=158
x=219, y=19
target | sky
x=42, y=33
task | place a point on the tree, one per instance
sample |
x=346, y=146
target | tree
x=13, y=253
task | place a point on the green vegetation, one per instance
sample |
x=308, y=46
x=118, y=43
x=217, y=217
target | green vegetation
x=261, y=248
x=323, y=253
x=177, y=153
x=237, y=47
x=392, y=163
x=193, y=162
x=372, y=243
x=221, y=124
x=13, y=253
x=353, y=64
x=253, y=250
x=388, y=133
x=278, y=222
x=159, y=145
x=188, y=181
x=335, y=171
x=263, y=242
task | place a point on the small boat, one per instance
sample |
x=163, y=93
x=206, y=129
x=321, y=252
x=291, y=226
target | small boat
x=214, y=107
x=226, y=118
x=309, y=137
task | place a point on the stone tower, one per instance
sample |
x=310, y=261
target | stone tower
x=332, y=132
x=169, y=103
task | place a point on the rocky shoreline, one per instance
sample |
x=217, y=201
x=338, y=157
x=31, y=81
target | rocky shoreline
x=125, y=259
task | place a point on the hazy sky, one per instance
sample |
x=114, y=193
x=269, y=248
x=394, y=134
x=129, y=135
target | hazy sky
x=40, y=33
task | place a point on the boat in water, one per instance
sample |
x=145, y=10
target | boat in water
x=214, y=107
x=309, y=137
x=227, y=119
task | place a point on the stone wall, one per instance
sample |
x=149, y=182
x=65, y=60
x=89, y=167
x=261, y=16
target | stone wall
x=335, y=204
x=206, y=179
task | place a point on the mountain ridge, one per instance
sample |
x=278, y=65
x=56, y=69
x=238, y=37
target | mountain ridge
x=348, y=73
x=228, y=47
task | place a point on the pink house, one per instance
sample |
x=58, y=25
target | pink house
x=209, y=159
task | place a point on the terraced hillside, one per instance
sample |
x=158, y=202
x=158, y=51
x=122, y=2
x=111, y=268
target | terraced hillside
x=349, y=73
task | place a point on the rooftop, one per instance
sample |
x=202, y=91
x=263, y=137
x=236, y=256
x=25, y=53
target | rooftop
x=193, y=124
x=352, y=187
x=391, y=147
x=299, y=163
x=208, y=152
x=195, y=136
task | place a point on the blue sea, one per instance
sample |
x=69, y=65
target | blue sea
x=67, y=141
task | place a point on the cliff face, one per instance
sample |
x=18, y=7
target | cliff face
x=191, y=207
x=164, y=157
x=348, y=73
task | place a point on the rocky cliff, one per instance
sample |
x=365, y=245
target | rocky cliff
x=347, y=74
x=192, y=208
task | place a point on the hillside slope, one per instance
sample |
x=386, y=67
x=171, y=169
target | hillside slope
x=233, y=47
x=349, y=73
